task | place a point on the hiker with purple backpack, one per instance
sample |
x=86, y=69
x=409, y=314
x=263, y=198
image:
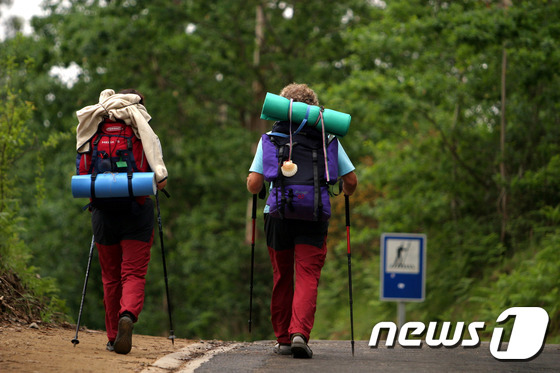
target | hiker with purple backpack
x=300, y=162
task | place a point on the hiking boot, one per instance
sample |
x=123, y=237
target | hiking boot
x=110, y=346
x=282, y=349
x=123, y=342
x=300, y=349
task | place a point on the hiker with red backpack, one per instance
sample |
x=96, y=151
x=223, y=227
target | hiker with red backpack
x=300, y=162
x=114, y=136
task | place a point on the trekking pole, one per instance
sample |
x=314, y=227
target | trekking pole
x=253, y=217
x=75, y=341
x=171, y=333
x=347, y=205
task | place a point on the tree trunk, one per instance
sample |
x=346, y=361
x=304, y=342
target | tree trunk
x=503, y=200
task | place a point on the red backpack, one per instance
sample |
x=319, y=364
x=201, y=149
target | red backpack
x=114, y=148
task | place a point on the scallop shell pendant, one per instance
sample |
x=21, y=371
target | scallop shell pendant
x=289, y=168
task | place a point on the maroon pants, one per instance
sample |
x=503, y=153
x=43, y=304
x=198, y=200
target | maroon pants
x=123, y=272
x=293, y=307
x=124, y=239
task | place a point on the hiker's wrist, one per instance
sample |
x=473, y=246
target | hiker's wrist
x=162, y=184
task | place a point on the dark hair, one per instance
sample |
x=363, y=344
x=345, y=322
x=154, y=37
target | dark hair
x=134, y=91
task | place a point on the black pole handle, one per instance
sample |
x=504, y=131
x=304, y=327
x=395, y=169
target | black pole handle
x=166, y=193
x=254, y=209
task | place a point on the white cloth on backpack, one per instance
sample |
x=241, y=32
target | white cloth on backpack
x=125, y=107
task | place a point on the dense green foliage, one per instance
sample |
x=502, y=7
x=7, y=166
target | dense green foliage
x=26, y=293
x=423, y=83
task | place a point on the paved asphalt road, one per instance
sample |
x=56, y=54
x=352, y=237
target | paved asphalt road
x=336, y=356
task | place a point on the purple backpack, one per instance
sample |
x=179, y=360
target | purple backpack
x=305, y=194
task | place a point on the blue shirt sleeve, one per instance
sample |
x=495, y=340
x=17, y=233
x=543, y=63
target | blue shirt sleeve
x=344, y=163
x=257, y=165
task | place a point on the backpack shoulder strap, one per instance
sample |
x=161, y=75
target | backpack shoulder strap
x=279, y=134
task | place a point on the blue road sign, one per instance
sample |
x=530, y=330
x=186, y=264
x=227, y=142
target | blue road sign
x=403, y=267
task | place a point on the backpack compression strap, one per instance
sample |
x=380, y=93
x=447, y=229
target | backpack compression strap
x=92, y=187
x=129, y=170
x=282, y=187
x=317, y=201
x=92, y=169
x=304, y=121
x=302, y=124
x=129, y=173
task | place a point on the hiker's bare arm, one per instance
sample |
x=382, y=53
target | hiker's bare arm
x=349, y=183
x=162, y=184
x=255, y=182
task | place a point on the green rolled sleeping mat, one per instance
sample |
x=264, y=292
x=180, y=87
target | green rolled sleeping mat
x=277, y=108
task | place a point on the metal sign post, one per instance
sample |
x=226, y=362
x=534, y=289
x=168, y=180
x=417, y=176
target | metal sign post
x=403, y=269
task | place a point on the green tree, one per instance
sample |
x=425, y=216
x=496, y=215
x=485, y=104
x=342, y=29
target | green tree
x=40, y=298
x=430, y=135
x=14, y=113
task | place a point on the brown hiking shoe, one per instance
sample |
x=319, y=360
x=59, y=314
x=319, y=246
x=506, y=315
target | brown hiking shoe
x=123, y=342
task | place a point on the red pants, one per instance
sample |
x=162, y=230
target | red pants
x=123, y=237
x=123, y=272
x=293, y=308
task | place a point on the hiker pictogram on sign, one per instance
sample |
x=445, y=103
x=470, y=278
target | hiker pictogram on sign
x=403, y=256
x=403, y=261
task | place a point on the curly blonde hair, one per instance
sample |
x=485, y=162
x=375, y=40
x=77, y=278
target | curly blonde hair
x=300, y=93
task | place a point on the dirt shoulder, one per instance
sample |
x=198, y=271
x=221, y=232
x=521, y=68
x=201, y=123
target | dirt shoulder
x=49, y=348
